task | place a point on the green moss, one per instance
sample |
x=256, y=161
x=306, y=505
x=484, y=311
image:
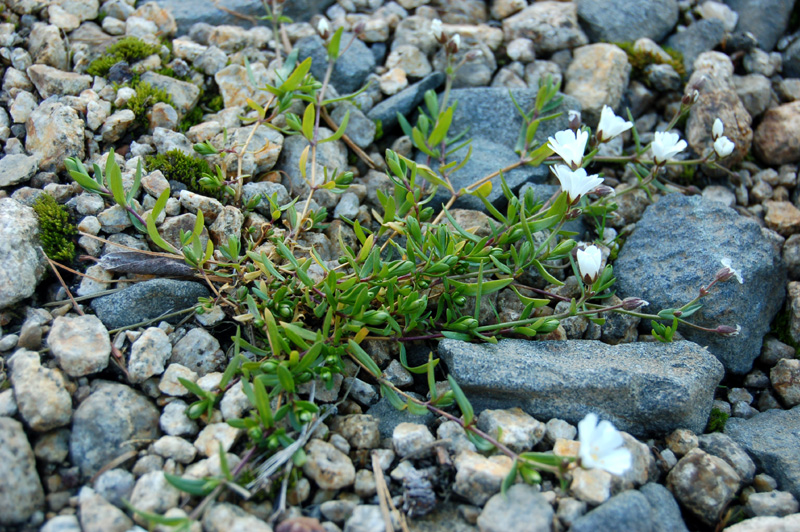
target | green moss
x=178, y=166
x=640, y=59
x=146, y=97
x=129, y=49
x=717, y=420
x=167, y=71
x=55, y=230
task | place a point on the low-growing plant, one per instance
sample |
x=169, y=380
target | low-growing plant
x=409, y=278
x=146, y=97
x=56, y=231
x=128, y=49
x=177, y=166
x=717, y=420
x=639, y=59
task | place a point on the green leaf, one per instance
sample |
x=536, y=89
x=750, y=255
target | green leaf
x=193, y=387
x=480, y=443
x=198, y=487
x=262, y=403
x=285, y=378
x=510, y=478
x=419, y=142
x=333, y=46
x=293, y=81
x=392, y=397
x=546, y=275
x=309, y=116
x=486, y=287
x=463, y=403
x=223, y=462
x=417, y=409
x=137, y=179
x=442, y=126
x=339, y=132
x=114, y=178
x=362, y=356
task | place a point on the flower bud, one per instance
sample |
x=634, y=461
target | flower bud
x=323, y=28
x=454, y=44
x=603, y=191
x=632, y=303
x=727, y=330
x=473, y=55
x=727, y=272
x=574, y=120
x=438, y=32
x=359, y=28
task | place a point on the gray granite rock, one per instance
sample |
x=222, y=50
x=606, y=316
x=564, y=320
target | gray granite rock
x=389, y=417
x=642, y=388
x=791, y=60
x=665, y=512
x=772, y=439
x=522, y=509
x=677, y=247
x=147, y=300
x=54, y=131
x=21, y=492
x=766, y=19
x=351, y=69
x=623, y=21
x=22, y=262
x=17, y=168
x=188, y=13
x=629, y=511
x=404, y=102
x=108, y=423
x=702, y=36
x=494, y=124
x=41, y=394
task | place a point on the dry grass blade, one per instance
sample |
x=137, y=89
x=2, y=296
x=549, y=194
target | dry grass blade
x=385, y=497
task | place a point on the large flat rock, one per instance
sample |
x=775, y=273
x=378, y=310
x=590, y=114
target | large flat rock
x=677, y=247
x=646, y=389
x=772, y=439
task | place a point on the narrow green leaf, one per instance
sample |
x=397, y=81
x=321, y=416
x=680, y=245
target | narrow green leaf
x=339, y=132
x=392, y=397
x=359, y=354
x=442, y=126
x=262, y=403
x=510, y=478
x=293, y=81
x=463, y=403
x=485, y=287
x=309, y=116
x=114, y=177
x=333, y=46
x=198, y=487
x=286, y=379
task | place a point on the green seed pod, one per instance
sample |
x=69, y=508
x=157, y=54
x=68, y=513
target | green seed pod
x=255, y=433
x=196, y=410
x=269, y=366
x=460, y=301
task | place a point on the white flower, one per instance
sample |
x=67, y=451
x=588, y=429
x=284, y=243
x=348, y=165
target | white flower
x=575, y=183
x=436, y=29
x=456, y=40
x=611, y=125
x=569, y=146
x=725, y=275
x=666, y=145
x=589, y=261
x=322, y=27
x=717, y=129
x=723, y=146
x=602, y=446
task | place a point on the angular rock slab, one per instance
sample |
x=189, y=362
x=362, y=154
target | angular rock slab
x=494, y=124
x=22, y=262
x=643, y=388
x=677, y=247
x=772, y=439
x=147, y=300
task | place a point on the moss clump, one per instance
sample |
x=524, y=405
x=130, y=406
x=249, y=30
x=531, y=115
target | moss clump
x=129, y=49
x=178, y=166
x=146, y=97
x=640, y=59
x=717, y=420
x=55, y=230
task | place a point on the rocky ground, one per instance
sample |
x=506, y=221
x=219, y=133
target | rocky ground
x=81, y=431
